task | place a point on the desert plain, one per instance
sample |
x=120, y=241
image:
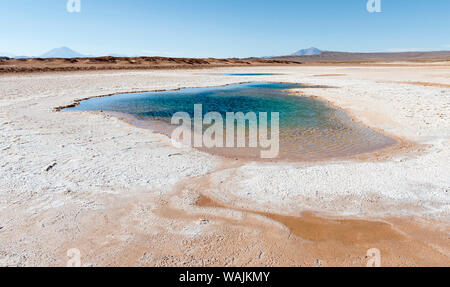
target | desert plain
x=124, y=196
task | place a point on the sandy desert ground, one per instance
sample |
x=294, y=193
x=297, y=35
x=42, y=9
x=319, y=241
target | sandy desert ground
x=37, y=65
x=124, y=196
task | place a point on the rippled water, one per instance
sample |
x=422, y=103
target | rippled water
x=250, y=74
x=309, y=129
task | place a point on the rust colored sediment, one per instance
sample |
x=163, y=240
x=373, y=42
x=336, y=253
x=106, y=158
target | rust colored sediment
x=330, y=75
x=314, y=228
x=345, y=242
x=428, y=84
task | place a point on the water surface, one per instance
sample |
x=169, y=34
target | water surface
x=250, y=74
x=309, y=129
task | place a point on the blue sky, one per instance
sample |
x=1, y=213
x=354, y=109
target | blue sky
x=222, y=28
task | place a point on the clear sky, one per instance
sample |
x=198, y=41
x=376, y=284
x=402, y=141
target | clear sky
x=222, y=28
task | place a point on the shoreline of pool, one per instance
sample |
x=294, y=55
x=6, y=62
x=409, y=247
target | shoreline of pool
x=400, y=145
x=92, y=181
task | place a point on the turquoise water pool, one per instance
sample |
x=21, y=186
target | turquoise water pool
x=250, y=74
x=309, y=129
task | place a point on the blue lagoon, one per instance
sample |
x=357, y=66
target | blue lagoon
x=310, y=129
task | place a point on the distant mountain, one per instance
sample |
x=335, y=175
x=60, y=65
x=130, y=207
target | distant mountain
x=12, y=56
x=8, y=55
x=62, y=52
x=307, y=52
x=353, y=57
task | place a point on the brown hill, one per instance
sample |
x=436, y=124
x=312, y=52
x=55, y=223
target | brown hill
x=344, y=57
x=123, y=63
x=8, y=65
